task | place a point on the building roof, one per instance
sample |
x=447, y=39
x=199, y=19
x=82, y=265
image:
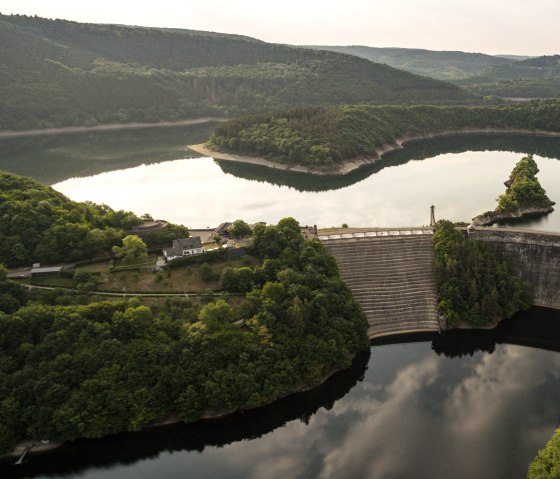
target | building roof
x=46, y=269
x=179, y=245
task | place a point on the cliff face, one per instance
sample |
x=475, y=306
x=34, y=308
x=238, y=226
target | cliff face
x=536, y=255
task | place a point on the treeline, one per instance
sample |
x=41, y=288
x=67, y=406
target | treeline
x=517, y=88
x=92, y=370
x=546, y=464
x=474, y=285
x=325, y=136
x=58, y=73
x=39, y=224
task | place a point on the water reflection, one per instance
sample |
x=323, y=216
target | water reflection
x=547, y=147
x=460, y=185
x=249, y=425
x=53, y=158
x=460, y=413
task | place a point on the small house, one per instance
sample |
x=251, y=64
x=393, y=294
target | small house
x=183, y=247
x=38, y=271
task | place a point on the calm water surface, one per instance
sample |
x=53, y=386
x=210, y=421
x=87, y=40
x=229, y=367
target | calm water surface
x=198, y=193
x=467, y=405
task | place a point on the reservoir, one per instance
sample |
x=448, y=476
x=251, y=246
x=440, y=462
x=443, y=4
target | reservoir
x=467, y=405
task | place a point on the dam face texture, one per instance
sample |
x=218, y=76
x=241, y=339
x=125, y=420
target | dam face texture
x=390, y=273
x=534, y=254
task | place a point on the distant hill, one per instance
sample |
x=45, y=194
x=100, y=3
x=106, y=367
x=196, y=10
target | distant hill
x=446, y=65
x=535, y=68
x=537, y=77
x=58, y=73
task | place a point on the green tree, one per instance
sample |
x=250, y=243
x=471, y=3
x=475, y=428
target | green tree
x=132, y=249
x=239, y=229
x=547, y=463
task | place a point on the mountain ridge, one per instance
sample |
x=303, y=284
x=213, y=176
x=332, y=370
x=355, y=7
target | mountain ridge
x=60, y=73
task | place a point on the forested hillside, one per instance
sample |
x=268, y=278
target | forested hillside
x=92, y=370
x=443, y=65
x=323, y=137
x=56, y=73
x=532, y=78
x=39, y=224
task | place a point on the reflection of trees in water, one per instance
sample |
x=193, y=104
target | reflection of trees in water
x=414, y=150
x=537, y=328
x=53, y=158
x=128, y=448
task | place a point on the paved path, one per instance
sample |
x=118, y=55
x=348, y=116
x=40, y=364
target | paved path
x=125, y=294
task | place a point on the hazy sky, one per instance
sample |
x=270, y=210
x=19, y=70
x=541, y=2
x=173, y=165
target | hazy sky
x=525, y=27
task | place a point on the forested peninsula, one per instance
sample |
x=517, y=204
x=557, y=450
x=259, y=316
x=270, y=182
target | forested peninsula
x=524, y=196
x=324, y=139
x=72, y=366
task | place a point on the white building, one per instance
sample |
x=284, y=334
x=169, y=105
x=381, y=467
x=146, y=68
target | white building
x=183, y=247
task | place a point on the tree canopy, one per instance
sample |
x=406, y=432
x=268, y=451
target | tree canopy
x=57, y=73
x=324, y=136
x=547, y=463
x=92, y=370
x=474, y=285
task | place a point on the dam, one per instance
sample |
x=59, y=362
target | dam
x=390, y=271
x=391, y=274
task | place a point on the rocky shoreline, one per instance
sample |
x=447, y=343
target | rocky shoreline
x=491, y=217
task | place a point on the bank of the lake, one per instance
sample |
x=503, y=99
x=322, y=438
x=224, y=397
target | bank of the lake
x=460, y=185
x=348, y=165
x=492, y=392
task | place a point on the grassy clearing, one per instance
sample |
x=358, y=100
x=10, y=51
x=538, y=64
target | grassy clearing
x=180, y=280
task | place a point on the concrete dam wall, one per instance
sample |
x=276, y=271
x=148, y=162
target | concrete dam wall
x=391, y=276
x=535, y=254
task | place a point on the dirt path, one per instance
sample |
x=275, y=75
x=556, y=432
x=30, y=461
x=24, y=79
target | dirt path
x=108, y=127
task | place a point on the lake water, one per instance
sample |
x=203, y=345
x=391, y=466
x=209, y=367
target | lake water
x=462, y=405
x=397, y=191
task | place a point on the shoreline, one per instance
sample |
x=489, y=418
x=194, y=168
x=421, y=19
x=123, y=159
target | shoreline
x=35, y=446
x=352, y=164
x=107, y=127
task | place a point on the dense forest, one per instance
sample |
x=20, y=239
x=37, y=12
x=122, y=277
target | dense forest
x=92, y=370
x=324, y=136
x=58, y=73
x=474, y=286
x=442, y=65
x=524, y=195
x=39, y=224
x=483, y=75
x=531, y=78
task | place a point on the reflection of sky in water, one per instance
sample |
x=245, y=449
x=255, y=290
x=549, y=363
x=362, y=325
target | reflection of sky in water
x=197, y=193
x=415, y=415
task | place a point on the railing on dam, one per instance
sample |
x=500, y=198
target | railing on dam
x=349, y=233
